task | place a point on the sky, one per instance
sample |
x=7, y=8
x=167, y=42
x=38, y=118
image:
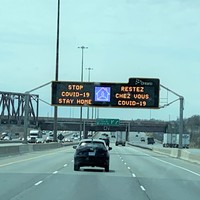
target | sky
x=125, y=38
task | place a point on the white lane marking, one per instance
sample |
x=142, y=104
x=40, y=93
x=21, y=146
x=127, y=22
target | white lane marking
x=177, y=166
x=65, y=165
x=142, y=188
x=38, y=183
x=122, y=160
x=125, y=163
x=133, y=175
x=55, y=172
x=129, y=168
x=27, y=159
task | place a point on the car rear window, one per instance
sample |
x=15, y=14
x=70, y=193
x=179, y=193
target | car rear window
x=93, y=144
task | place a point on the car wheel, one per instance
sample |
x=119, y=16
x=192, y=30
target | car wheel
x=76, y=167
x=107, y=168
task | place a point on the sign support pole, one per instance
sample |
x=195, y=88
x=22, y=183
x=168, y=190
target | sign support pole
x=181, y=98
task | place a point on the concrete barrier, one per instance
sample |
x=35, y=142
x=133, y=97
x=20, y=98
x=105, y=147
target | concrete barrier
x=25, y=148
x=173, y=152
x=184, y=155
x=9, y=150
x=164, y=151
x=179, y=153
x=70, y=143
x=192, y=157
x=140, y=146
x=46, y=146
x=28, y=148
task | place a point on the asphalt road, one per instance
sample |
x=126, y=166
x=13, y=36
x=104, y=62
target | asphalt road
x=134, y=174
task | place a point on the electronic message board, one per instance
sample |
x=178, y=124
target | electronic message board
x=137, y=93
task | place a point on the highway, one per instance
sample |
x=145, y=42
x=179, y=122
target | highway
x=134, y=174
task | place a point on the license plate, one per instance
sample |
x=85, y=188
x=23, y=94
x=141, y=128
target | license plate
x=91, y=154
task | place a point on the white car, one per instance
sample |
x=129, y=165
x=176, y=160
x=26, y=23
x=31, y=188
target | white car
x=67, y=140
x=76, y=139
x=49, y=139
x=39, y=140
x=7, y=138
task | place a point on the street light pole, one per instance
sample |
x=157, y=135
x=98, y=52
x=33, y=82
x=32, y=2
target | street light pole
x=89, y=69
x=81, y=108
x=82, y=51
x=56, y=74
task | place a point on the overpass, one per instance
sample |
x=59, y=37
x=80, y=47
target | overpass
x=12, y=111
x=73, y=124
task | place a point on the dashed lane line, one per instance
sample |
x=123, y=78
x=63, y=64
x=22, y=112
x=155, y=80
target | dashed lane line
x=133, y=175
x=142, y=188
x=38, y=183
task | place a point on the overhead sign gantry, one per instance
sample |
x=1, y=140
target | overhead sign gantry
x=137, y=93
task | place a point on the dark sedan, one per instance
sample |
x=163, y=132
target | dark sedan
x=150, y=140
x=106, y=139
x=92, y=152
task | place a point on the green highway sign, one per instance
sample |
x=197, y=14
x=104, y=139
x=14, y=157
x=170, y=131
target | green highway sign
x=107, y=122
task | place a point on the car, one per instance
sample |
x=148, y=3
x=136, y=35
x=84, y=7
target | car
x=89, y=135
x=67, y=140
x=105, y=134
x=76, y=139
x=106, y=139
x=49, y=139
x=7, y=138
x=150, y=140
x=31, y=140
x=121, y=138
x=120, y=142
x=91, y=152
x=39, y=140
